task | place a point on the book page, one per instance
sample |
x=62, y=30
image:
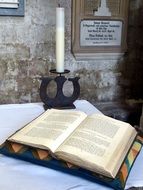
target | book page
x=94, y=143
x=50, y=129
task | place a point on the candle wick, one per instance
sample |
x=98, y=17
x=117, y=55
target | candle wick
x=59, y=5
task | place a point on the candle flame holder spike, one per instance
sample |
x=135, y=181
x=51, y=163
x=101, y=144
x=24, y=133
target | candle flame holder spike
x=60, y=101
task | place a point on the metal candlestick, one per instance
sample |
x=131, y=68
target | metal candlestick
x=60, y=101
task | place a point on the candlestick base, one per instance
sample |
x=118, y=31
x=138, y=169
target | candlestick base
x=60, y=101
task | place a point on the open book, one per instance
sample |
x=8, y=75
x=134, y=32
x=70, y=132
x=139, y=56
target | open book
x=96, y=142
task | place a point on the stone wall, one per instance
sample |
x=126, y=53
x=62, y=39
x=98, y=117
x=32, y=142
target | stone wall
x=27, y=51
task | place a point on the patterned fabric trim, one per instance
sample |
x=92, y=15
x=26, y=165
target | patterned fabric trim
x=128, y=163
x=43, y=157
x=140, y=139
x=19, y=149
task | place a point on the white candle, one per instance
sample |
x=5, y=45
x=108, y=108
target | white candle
x=60, y=39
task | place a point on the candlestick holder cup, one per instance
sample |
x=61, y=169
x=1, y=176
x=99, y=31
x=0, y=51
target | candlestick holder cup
x=60, y=101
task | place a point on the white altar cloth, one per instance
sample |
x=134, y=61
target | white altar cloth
x=20, y=175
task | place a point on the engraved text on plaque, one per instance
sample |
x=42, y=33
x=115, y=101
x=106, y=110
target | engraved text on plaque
x=100, y=33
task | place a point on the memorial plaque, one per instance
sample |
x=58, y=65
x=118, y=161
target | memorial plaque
x=99, y=27
x=9, y=3
x=100, y=33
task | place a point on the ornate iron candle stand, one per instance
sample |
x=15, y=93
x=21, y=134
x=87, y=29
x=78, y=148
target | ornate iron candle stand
x=60, y=101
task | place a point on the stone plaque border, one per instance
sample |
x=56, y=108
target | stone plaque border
x=13, y=11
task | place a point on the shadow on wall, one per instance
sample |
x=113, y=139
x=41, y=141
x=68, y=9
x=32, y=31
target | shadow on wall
x=134, y=59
